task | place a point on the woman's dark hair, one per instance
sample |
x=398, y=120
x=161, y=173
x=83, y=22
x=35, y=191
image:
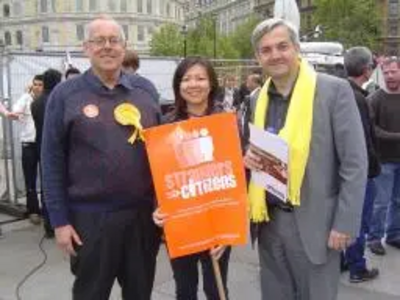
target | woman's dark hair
x=180, y=103
x=51, y=78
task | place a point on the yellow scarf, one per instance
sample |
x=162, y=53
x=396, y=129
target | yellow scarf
x=296, y=132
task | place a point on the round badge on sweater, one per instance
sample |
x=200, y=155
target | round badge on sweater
x=91, y=111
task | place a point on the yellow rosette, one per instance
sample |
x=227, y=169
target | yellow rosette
x=127, y=114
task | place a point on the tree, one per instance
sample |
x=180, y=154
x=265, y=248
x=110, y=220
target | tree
x=241, y=38
x=204, y=38
x=200, y=40
x=350, y=22
x=167, y=41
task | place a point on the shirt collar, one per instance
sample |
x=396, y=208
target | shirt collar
x=273, y=92
x=123, y=80
x=255, y=91
x=358, y=88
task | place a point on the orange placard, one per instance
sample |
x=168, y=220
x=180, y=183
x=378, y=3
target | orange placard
x=198, y=173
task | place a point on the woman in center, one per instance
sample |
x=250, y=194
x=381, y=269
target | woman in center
x=195, y=87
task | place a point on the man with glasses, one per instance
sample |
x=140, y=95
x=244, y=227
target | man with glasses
x=98, y=187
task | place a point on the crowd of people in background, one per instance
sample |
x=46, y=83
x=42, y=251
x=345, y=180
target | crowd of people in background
x=347, y=195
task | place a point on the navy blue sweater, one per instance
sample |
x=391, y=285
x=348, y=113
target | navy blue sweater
x=87, y=161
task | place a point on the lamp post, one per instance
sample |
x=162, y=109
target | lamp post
x=214, y=20
x=3, y=70
x=184, y=32
x=2, y=50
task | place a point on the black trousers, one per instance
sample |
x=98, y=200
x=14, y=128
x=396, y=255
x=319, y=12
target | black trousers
x=30, y=162
x=186, y=275
x=45, y=214
x=120, y=245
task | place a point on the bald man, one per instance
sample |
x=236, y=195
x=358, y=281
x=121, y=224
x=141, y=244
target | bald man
x=98, y=188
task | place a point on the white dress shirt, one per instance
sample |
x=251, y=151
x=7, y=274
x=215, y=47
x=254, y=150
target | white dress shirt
x=27, y=131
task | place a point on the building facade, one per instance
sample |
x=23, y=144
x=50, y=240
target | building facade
x=390, y=38
x=59, y=25
x=228, y=14
x=265, y=8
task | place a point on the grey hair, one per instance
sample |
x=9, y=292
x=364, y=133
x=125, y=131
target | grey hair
x=89, y=26
x=268, y=25
x=356, y=59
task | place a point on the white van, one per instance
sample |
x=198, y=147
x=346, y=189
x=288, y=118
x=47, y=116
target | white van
x=326, y=57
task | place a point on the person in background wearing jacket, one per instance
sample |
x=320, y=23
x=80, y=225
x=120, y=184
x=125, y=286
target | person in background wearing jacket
x=359, y=63
x=228, y=94
x=130, y=65
x=51, y=78
x=195, y=87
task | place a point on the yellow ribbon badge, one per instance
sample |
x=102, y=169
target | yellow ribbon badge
x=127, y=114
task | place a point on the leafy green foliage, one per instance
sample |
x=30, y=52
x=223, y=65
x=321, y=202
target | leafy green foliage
x=240, y=38
x=203, y=39
x=167, y=41
x=350, y=22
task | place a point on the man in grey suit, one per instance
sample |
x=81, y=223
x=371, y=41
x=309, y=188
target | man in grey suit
x=299, y=246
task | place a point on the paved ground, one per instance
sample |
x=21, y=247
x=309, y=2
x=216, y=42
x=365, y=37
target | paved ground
x=19, y=253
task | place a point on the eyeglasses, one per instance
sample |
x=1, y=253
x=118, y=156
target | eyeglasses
x=102, y=41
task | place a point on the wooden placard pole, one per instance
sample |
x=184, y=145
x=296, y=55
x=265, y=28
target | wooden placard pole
x=218, y=278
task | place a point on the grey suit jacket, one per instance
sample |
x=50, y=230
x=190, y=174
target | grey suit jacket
x=333, y=189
